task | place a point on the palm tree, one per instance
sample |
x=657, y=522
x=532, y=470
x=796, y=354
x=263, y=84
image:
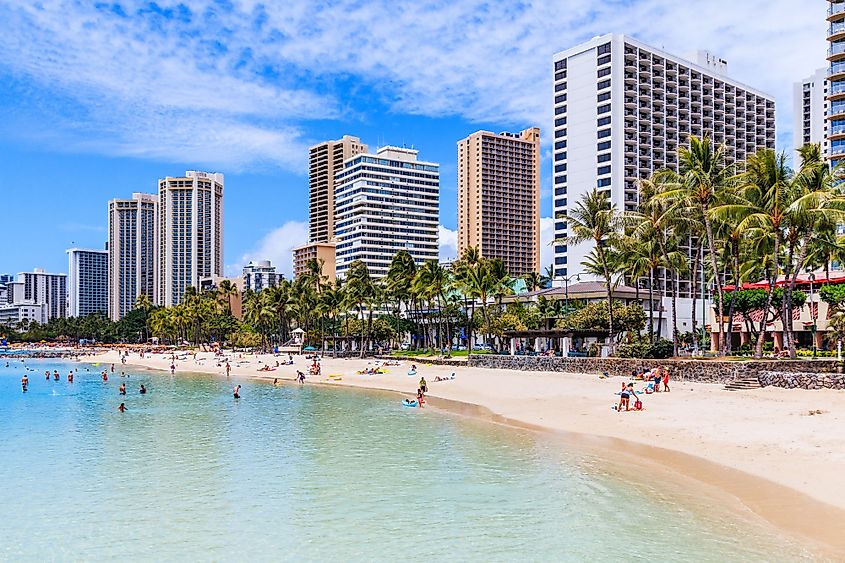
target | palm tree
x=143, y=303
x=533, y=281
x=359, y=291
x=227, y=290
x=594, y=218
x=704, y=176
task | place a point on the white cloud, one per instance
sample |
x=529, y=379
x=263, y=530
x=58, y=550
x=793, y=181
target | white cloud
x=235, y=82
x=277, y=246
x=448, y=243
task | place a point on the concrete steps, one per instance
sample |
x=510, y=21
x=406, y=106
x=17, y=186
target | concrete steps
x=742, y=383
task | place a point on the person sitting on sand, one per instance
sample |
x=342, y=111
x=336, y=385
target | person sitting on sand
x=625, y=397
x=237, y=391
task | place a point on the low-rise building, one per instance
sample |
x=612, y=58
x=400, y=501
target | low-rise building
x=320, y=251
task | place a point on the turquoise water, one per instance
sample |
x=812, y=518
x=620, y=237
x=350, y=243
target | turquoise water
x=307, y=473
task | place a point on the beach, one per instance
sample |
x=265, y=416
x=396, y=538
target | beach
x=777, y=451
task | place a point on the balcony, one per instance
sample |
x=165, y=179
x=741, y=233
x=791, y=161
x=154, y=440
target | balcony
x=836, y=52
x=837, y=132
x=836, y=71
x=836, y=31
x=835, y=10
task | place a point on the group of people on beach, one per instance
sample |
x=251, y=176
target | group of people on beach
x=653, y=379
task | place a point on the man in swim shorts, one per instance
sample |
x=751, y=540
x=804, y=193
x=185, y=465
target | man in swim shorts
x=237, y=391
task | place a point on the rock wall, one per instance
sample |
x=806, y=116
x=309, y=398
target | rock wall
x=802, y=380
x=707, y=371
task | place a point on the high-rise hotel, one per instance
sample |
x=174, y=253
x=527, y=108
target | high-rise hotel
x=835, y=133
x=325, y=164
x=621, y=111
x=809, y=105
x=133, y=235
x=499, y=197
x=190, y=226
x=384, y=203
x=87, y=282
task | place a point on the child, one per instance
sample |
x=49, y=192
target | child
x=666, y=380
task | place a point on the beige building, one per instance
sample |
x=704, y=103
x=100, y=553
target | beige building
x=326, y=161
x=133, y=232
x=499, y=197
x=324, y=251
x=190, y=235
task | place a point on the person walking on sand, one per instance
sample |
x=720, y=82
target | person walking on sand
x=666, y=379
x=237, y=391
x=423, y=385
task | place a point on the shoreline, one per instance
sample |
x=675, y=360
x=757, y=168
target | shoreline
x=794, y=509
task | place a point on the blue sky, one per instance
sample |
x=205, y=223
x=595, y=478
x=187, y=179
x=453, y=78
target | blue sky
x=99, y=100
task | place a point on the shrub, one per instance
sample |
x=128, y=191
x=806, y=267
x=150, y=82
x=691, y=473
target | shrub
x=659, y=350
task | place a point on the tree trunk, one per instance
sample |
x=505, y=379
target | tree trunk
x=651, y=306
x=675, y=286
x=758, y=349
x=790, y=288
x=711, y=242
x=695, y=265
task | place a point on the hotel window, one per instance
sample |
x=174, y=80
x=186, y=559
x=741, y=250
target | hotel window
x=603, y=84
x=603, y=72
x=604, y=157
x=603, y=170
x=560, y=133
x=603, y=146
x=603, y=97
x=604, y=109
x=604, y=133
x=603, y=121
x=560, y=156
x=560, y=190
x=560, y=179
x=560, y=144
x=560, y=167
x=560, y=98
x=603, y=182
x=603, y=49
x=560, y=109
x=560, y=202
x=560, y=75
x=560, y=121
x=560, y=65
x=603, y=60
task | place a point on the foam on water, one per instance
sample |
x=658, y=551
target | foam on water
x=293, y=473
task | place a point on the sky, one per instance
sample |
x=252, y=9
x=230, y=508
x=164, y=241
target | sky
x=100, y=100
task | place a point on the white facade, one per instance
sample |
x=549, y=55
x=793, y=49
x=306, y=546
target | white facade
x=88, y=282
x=132, y=247
x=808, y=117
x=190, y=223
x=37, y=295
x=384, y=203
x=622, y=109
x=260, y=275
x=14, y=315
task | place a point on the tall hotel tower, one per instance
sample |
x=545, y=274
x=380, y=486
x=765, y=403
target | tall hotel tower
x=621, y=111
x=132, y=248
x=88, y=282
x=809, y=105
x=499, y=197
x=386, y=202
x=190, y=223
x=326, y=163
x=836, y=81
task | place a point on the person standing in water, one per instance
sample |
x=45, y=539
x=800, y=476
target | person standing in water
x=237, y=391
x=70, y=377
x=122, y=407
x=55, y=375
x=24, y=383
x=122, y=389
x=228, y=369
x=142, y=390
x=47, y=375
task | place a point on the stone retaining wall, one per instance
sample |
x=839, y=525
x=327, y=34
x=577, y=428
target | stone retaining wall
x=707, y=371
x=802, y=380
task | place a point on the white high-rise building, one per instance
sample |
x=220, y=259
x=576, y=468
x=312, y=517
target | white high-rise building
x=132, y=249
x=88, y=282
x=260, y=275
x=35, y=296
x=190, y=219
x=384, y=203
x=621, y=111
x=809, y=125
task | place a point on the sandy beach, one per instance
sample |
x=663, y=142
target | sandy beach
x=770, y=448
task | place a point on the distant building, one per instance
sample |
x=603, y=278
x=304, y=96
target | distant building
x=386, y=202
x=324, y=251
x=190, y=233
x=809, y=107
x=236, y=301
x=260, y=275
x=132, y=251
x=499, y=197
x=326, y=163
x=35, y=296
x=88, y=282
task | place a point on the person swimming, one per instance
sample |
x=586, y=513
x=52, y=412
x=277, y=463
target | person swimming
x=237, y=391
x=142, y=390
x=122, y=407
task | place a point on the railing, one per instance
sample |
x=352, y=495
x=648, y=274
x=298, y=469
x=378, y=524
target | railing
x=836, y=9
x=839, y=130
x=836, y=68
x=835, y=28
x=836, y=49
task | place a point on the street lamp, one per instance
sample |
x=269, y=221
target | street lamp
x=566, y=280
x=813, y=313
